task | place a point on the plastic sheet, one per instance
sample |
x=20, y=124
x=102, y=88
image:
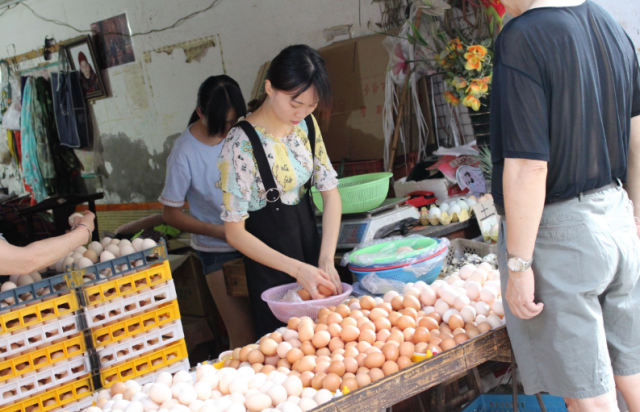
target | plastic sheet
x=379, y=286
x=393, y=252
x=11, y=118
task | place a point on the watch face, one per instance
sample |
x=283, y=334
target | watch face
x=514, y=264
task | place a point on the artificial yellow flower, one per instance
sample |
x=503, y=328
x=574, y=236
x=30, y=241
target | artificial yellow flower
x=473, y=62
x=455, y=45
x=472, y=102
x=478, y=50
x=477, y=88
x=459, y=83
x=451, y=98
x=485, y=80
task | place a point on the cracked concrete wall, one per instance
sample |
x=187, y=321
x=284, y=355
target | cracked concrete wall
x=153, y=98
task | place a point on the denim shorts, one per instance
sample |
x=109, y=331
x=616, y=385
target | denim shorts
x=213, y=261
x=586, y=267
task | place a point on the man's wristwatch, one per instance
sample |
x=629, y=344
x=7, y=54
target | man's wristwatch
x=516, y=264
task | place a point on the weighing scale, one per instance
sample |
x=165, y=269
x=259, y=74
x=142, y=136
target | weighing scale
x=356, y=228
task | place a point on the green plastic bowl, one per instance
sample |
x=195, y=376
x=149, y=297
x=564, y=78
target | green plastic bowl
x=386, y=251
x=359, y=193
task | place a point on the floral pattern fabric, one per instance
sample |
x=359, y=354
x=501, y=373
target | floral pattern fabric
x=290, y=161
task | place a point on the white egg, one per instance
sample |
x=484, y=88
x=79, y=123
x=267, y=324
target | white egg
x=121, y=404
x=187, y=395
x=257, y=381
x=444, y=207
x=84, y=263
x=293, y=385
x=471, y=202
x=58, y=265
x=202, y=368
x=93, y=409
x=148, y=244
x=482, y=308
x=24, y=280
x=463, y=205
x=96, y=247
x=308, y=393
x=211, y=378
x=498, y=308
x=238, y=385
x=307, y=404
x=196, y=405
x=124, y=242
x=164, y=378
x=466, y=271
x=67, y=263
x=322, y=396
x=246, y=372
x=115, y=242
x=148, y=405
x=203, y=390
x=176, y=389
x=139, y=397
x=266, y=387
x=290, y=407
x=236, y=407
x=434, y=212
x=114, y=249
x=159, y=393
x=448, y=314
x=223, y=403
x=455, y=209
x=238, y=398
x=468, y=313
x=137, y=244
x=283, y=348
x=105, y=241
x=126, y=250
x=134, y=407
x=278, y=394
x=494, y=321
x=258, y=402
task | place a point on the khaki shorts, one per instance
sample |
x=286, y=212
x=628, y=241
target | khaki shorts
x=586, y=266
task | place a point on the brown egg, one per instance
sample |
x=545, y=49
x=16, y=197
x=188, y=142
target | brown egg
x=484, y=327
x=322, y=367
x=374, y=360
x=349, y=333
x=276, y=336
x=316, y=382
x=382, y=336
x=336, y=343
x=343, y=310
x=118, y=388
x=456, y=321
x=268, y=347
x=396, y=336
x=293, y=323
x=429, y=323
x=472, y=333
x=350, y=383
x=308, y=349
x=295, y=343
x=447, y=344
x=421, y=347
x=337, y=352
x=323, y=312
x=366, y=325
x=445, y=328
x=397, y=303
x=236, y=353
x=235, y=363
x=434, y=348
x=363, y=346
x=305, y=333
x=323, y=358
x=320, y=327
x=322, y=320
x=435, y=316
x=404, y=362
x=406, y=322
x=334, y=330
x=384, y=305
x=331, y=382
x=321, y=339
x=362, y=369
x=360, y=359
x=295, y=365
x=128, y=394
x=435, y=341
x=458, y=331
x=446, y=335
x=350, y=365
x=460, y=338
x=363, y=379
x=283, y=363
x=307, y=364
x=376, y=374
x=350, y=352
x=393, y=318
x=337, y=358
x=323, y=352
x=408, y=334
x=334, y=318
x=306, y=378
x=294, y=355
x=421, y=335
x=378, y=345
x=382, y=323
x=390, y=352
x=356, y=314
x=411, y=302
x=304, y=294
x=244, y=353
x=435, y=333
x=267, y=369
x=101, y=402
x=337, y=367
x=407, y=349
x=325, y=290
x=411, y=312
x=367, y=302
x=255, y=356
x=257, y=367
x=377, y=313
x=272, y=360
x=390, y=367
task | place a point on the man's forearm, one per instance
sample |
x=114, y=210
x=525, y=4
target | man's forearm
x=524, y=186
x=633, y=170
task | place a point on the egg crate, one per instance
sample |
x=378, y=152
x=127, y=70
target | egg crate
x=150, y=362
x=458, y=248
x=81, y=404
x=125, y=285
x=132, y=305
x=29, y=339
x=66, y=282
x=38, y=359
x=136, y=325
x=38, y=313
x=54, y=398
x=182, y=365
x=45, y=380
x=146, y=343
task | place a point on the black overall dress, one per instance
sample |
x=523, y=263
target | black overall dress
x=290, y=230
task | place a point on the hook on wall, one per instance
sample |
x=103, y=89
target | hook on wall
x=48, y=46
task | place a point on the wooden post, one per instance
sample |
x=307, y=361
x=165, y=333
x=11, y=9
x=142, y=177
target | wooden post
x=403, y=97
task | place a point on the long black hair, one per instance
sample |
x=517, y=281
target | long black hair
x=295, y=70
x=216, y=97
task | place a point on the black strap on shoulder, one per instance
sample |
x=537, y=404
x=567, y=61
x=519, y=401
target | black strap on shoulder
x=311, y=135
x=264, y=169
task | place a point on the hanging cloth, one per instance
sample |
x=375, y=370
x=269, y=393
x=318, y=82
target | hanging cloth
x=39, y=120
x=30, y=167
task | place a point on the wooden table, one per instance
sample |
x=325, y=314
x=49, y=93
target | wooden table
x=493, y=345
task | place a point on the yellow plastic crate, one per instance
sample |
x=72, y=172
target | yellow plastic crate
x=54, y=398
x=27, y=339
x=128, y=284
x=136, y=325
x=42, y=357
x=38, y=313
x=150, y=362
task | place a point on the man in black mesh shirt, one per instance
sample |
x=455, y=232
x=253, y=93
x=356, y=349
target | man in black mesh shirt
x=565, y=137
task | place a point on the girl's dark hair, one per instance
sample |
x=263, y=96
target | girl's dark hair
x=296, y=69
x=216, y=97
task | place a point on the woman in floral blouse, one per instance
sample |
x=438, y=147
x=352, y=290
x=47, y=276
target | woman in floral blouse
x=265, y=163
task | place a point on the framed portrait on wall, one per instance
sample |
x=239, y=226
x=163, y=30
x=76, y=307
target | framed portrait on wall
x=83, y=60
x=113, y=41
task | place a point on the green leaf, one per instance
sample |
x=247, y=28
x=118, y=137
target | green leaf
x=444, y=54
x=411, y=40
x=487, y=42
x=418, y=36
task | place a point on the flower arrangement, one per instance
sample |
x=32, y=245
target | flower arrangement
x=468, y=68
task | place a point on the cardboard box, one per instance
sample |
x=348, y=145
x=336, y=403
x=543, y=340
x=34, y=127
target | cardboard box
x=440, y=187
x=193, y=293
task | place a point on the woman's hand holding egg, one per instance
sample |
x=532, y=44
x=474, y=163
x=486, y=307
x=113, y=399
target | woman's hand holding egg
x=328, y=266
x=311, y=278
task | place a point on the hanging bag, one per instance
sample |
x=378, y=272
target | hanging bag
x=69, y=106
